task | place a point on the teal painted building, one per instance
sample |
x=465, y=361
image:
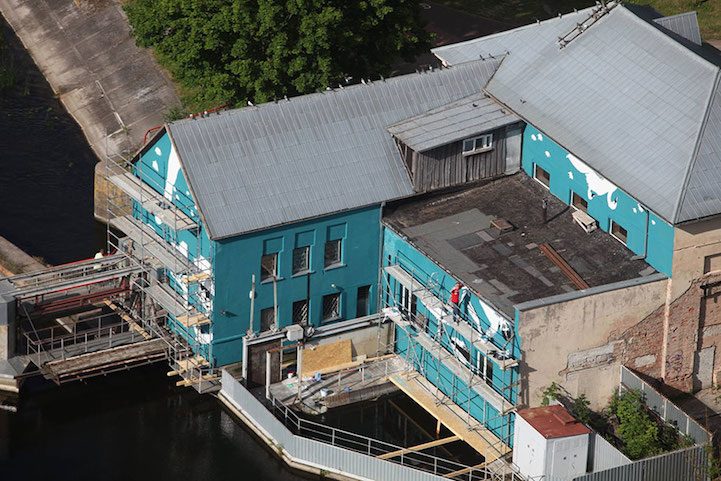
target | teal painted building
x=574, y=182
x=316, y=291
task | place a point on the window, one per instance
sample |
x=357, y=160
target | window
x=408, y=302
x=268, y=267
x=542, y=176
x=300, y=312
x=267, y=319
x=301, y=260
x=482, y=143
x=579, y=202
x=333, y=252
x=618, y=232
x=363, y=304
x=331, y=307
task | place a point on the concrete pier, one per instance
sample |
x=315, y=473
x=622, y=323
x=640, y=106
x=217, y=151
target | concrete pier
x=85, y=50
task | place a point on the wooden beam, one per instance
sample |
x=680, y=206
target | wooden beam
x=565, y=267
x=464, y=470
x=420, y=447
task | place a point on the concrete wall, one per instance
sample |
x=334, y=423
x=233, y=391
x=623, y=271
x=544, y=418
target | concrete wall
x=579, y=343
x=695, y=245
x=647, y=233
x=363, y=341
x=238, y=258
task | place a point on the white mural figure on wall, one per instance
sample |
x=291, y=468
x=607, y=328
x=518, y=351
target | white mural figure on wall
x=172, y=176
x=597, y=185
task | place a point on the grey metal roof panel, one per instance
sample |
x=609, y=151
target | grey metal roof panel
x=623, y=96
x=702, y=195
x=257, y=167
x=472, y=115
x=683, y=24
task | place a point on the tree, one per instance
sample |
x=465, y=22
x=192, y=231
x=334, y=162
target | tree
x=233, y=51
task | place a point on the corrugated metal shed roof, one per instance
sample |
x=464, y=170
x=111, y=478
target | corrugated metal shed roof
x=257, y=167
x=683, y=24
x=459, y=120
x=553, y=421
x=625, y=97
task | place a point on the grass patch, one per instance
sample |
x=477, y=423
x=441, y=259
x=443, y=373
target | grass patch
x=13, y=267
x=521, y=12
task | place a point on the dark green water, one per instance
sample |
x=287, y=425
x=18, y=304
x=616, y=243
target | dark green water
x=130, y=426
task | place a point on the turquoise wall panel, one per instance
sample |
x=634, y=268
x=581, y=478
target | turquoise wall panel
x=606, y=202
x=238, y=258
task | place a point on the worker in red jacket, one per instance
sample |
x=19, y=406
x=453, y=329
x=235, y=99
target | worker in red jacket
x=455, y=295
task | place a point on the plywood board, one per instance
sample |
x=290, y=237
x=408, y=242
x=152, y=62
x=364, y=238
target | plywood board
x=326, y=356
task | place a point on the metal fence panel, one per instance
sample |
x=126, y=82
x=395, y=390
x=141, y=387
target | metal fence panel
x=686, y=464
x=665, y=408
x=605, y=455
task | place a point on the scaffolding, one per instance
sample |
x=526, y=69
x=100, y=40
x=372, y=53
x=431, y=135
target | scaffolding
x=428, y=330
x=147, y=220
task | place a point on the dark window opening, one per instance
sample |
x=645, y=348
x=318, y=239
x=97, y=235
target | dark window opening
x=579, y=202
x=333, y=252
x=331, y=307
x=300, y=312
x=267, y=319
x=301, y=259
x=268, y=267
x=619, y=232
x=363, y=304
x=542, y=176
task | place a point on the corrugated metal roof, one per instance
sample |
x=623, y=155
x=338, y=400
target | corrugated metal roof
x=624, y=97
x=472, y=115
x=317, y=154
x=683, y=24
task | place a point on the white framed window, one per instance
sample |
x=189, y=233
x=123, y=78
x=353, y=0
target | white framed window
x=542, y=176
x=618, y=232
x=474, y=145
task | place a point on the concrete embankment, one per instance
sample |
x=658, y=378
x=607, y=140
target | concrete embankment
x=85, y=50
x=14, y=261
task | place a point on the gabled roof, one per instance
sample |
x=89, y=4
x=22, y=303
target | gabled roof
x=459, y=120
x=317, y=154
x=683, y=24
x=635, y=103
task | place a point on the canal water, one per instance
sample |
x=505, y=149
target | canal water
x=46, y=176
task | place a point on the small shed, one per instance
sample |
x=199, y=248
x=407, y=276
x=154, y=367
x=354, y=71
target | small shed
x=549, y=441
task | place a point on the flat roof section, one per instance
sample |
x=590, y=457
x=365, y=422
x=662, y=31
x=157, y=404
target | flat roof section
x=553, y=421
x=506, y=268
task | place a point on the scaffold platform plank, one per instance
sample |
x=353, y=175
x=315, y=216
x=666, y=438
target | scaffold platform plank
x=451, y=415
x=196, y=277
x=84, y=363
x=153, y=245
x=124, y=316
x=166, y=300
x=153, y=202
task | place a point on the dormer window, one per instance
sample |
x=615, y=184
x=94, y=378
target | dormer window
x=475, y=145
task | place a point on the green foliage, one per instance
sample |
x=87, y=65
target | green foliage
x=175, y=113
x=640, y=432
x=232, y=51
x=551, y=393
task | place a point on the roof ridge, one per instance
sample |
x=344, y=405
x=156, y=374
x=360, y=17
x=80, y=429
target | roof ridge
x=507, y=32
x=697, y=145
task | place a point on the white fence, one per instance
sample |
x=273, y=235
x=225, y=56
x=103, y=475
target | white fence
x=326, y=456
x=665, y=408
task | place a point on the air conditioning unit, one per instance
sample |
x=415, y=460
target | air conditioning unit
x=587, y=222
